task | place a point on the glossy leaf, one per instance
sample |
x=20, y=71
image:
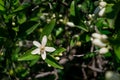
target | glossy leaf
x=58, y=51
x=51, y=61
x=72, y=8
x=48, y=28
x=2, y=8
x=28, y=56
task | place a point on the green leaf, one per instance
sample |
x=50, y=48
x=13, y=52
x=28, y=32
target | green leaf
x=72, y=8
x=2, y=9
x=112, y=12
x=33, y=61
x=83, y=28
x=22, y=7
x=58, y=51
x=87, y=38
x=48, y=28
x=21, y=18
x=28, y=56
x=15, y=53
x=117, y=51
x=51, y=61
x=31, y=29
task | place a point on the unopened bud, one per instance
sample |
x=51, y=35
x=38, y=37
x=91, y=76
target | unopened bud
x=102, y=4
x=96, y=35
x=57, y=58
x=103, y=50
x=71, y=24
x=101, y=13
x=98, y=43
x=89, y=16
x=13, y=23
x=104, y=38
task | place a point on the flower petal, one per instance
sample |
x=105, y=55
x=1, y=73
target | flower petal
x=44, y=40
x=50, y=49
x=36, y=51
x=36, y=43
x=43, y=55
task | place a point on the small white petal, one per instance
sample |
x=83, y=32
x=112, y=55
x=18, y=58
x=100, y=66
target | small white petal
x=44, y=40
x=43, y=55
x=50, y=49
x=36, y=51
x=36, y=43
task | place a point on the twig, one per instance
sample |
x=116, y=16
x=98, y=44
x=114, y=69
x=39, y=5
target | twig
x=79, y=55
x=83, y=70
x=95, y=69
x=43, y=74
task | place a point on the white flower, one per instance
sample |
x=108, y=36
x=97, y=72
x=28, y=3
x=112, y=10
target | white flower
x=41, y=48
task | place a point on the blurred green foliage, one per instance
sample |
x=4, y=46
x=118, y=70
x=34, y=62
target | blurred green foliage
x=23, y=21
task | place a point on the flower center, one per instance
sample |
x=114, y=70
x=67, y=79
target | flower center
x=42, y=49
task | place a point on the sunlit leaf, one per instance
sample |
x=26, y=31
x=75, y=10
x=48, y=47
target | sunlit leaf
x=72, y=8
x=28, y=56
x=2, y=6
x=51, y=61
x=58, y=51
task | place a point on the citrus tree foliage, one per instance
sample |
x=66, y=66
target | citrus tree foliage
x=59, y=39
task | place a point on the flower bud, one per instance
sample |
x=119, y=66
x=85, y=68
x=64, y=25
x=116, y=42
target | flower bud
x=104, y=38
x=98, y=43
x=96, y=35
x=101, y=12
x=103, y=50
x=90, y=16
x=57, y=58
x=102, y=4
x=71, y=24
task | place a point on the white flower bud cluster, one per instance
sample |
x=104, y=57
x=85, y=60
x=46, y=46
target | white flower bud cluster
x=100, y=10
x=100, y=40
